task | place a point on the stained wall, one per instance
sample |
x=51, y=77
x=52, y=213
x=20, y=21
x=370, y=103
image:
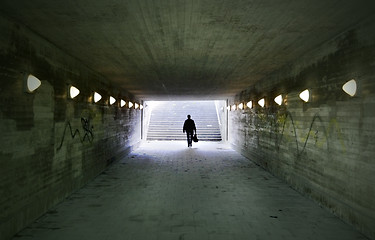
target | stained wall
x=323, y=148
x=51, y=145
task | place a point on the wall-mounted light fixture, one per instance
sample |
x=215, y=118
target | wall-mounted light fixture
x=141, y=106
x=249, y=104
x=130, y=104
x=122, y=103
x=240, y=106
x=112, y=100
x=136, y=105
x=233, y=107
x=32, y=83
x=350, y=87
x=305, y=95
x=261, y=102
x=97, y=97
x=73, y=92
x=279, y=99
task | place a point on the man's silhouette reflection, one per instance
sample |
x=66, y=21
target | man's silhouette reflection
x=189, y=128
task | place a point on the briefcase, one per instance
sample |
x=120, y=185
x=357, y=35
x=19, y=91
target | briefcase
x=195, y=138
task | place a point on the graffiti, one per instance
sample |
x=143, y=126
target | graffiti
x=300, y=148
x=277, y=127
x=87, y=129
x=287, y=116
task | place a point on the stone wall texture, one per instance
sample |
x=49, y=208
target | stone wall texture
x=51, y=145
x=323, y=148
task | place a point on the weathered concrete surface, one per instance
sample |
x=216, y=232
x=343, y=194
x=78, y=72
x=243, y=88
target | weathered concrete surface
x=50, y=145
x=323, y=148
x=187, y=49
x=164, y=190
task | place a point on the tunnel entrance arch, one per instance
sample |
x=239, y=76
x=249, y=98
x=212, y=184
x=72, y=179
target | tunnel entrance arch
x=163, y=120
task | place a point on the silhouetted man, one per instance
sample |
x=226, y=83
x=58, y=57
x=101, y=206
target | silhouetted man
x=189, y=127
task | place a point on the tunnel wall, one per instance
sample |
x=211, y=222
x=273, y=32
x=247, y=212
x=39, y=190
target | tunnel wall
x=50, y=145
x=323, y=148
x=222, y=117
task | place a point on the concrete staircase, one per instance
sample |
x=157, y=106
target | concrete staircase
x=167, y=120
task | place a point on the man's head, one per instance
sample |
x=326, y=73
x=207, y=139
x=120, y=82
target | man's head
x=188, y=116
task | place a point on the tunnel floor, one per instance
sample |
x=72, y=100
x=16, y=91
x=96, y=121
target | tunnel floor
x=164, y=190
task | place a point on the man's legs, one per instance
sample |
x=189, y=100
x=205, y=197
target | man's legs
x=189, y=138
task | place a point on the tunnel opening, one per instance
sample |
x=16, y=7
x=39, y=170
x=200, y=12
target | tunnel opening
x=163, y=120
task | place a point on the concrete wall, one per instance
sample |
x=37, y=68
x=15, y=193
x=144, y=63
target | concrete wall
x=323, y=148
x=221, y=109
x=51, y=145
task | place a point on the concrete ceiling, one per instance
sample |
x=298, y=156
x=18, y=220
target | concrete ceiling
x=207, y=49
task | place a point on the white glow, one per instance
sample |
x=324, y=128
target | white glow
x=122, y=103
x=350, y=87
x=33, y=83
x=305, y=95
x=73, y=92
x=261, y=102
x=136, y=105
x=279, y=99
x=112, y=100
x=240, y=106
x=249, y=104
x=141, y=106
x=233, y=107
x=130, y=104
x=97, y=97
x=228, y=108
x=152, y=104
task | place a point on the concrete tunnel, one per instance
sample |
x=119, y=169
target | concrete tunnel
x=295, y=80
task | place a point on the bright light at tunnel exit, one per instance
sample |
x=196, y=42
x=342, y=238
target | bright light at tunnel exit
x=152, y=104
x=209, y=115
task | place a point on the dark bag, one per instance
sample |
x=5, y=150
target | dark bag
x=195, y=138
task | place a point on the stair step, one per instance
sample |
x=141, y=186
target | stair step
x=166, y=121
x=181, y=139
